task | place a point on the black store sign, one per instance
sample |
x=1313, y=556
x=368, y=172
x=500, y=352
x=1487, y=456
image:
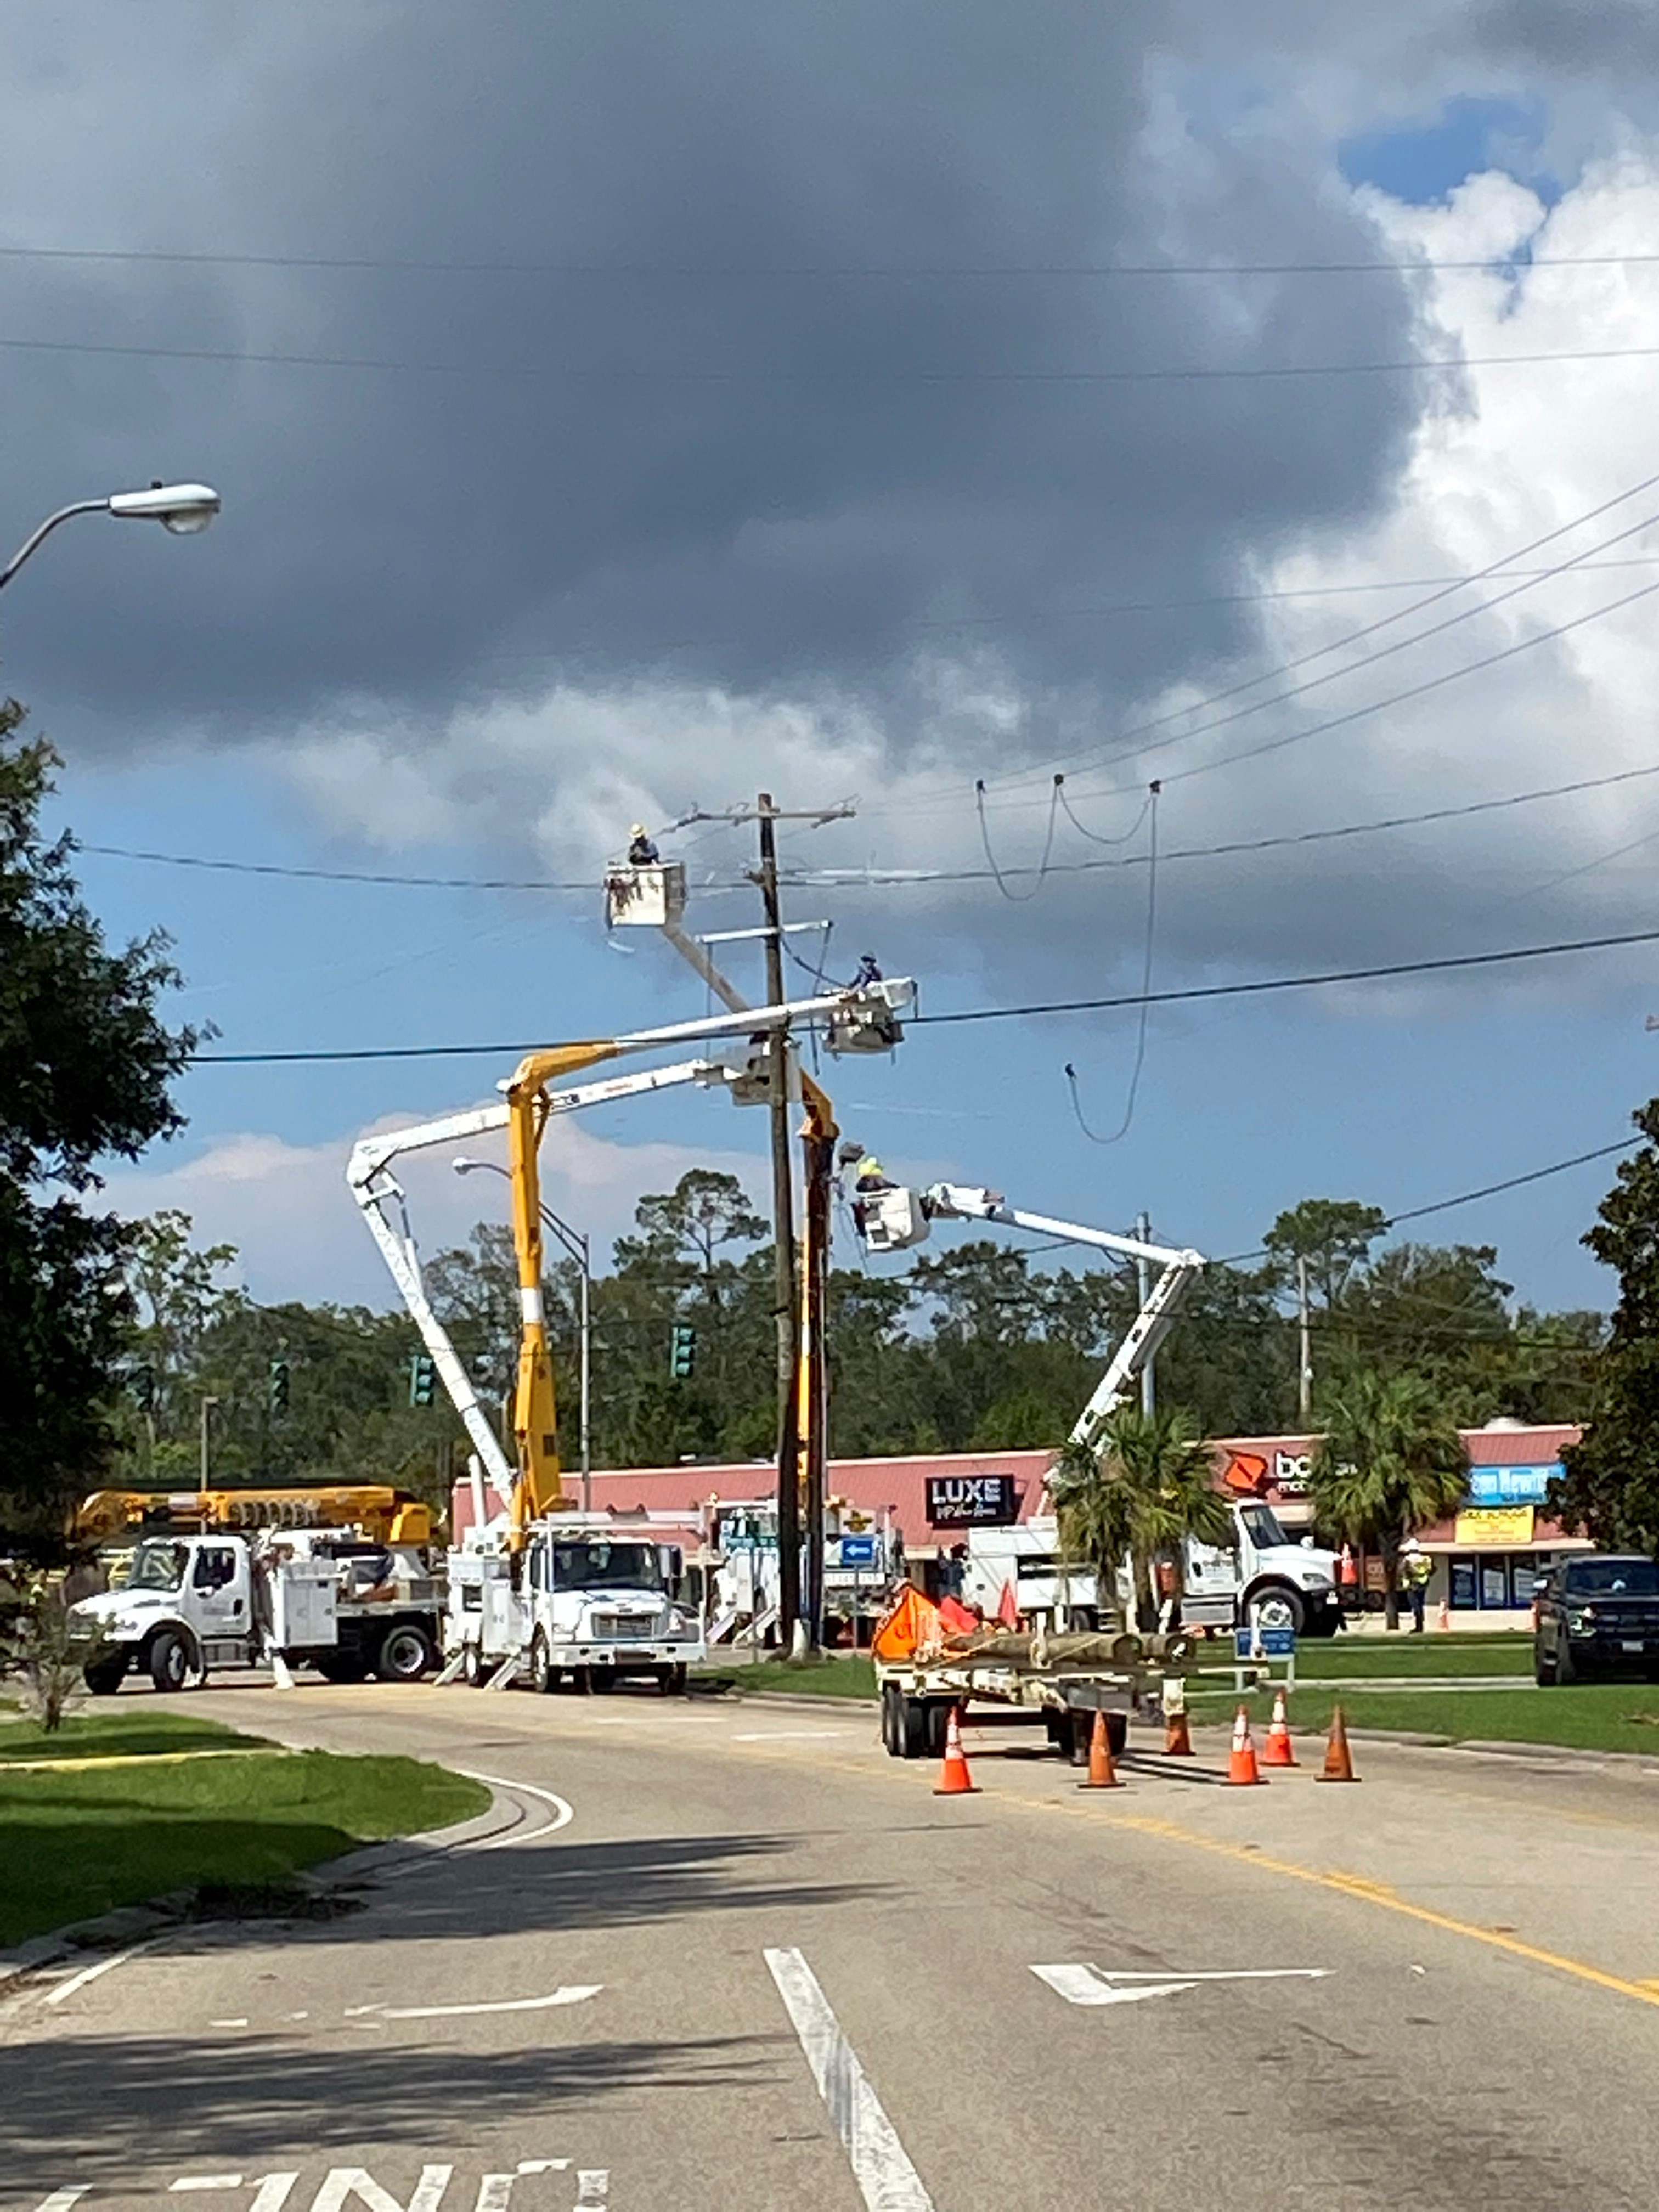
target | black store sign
x=971, y=1501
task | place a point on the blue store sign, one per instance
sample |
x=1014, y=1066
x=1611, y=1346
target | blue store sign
x=1512, y=1486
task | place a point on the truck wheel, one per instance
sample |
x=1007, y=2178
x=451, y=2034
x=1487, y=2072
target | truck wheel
x=1276, y=1605
x=891, y=1728
x=104, y=1679
x=404, y=1655
x=672, y=1679
x=543, y=1676
x=173, y=1660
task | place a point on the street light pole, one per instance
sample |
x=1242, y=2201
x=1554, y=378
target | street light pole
x=184, y=510
x=580, y=1246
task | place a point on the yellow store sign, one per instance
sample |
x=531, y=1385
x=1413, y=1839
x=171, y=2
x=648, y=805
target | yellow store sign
x=1494, y=1524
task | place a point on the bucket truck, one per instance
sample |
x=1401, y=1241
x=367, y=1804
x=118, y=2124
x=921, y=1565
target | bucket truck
x=544, y=1592
x=1260, y=1577
x=338, y=1579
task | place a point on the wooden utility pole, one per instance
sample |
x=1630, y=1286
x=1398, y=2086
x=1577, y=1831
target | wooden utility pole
x=783, y=1246
x=1304, y=1344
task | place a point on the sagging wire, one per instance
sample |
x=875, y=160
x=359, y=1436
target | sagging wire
x=1094, y=836
x=1122, y=1130
x=1018, y=898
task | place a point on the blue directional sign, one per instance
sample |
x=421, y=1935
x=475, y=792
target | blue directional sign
x=858, y=1551
x=1264, y=1643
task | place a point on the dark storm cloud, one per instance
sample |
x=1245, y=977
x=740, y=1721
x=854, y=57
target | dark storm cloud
x=1572, y=36
x=751, y=481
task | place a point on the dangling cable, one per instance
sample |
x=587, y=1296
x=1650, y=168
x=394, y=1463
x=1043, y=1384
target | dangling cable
x=1092, y=835
x=1018, y=898
x=1122, y=1129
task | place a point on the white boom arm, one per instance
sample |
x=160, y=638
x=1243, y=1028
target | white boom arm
x=1178, y=1271
x=374, y=1187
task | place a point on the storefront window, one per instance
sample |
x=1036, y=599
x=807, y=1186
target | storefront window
x=1494, y=1586
x=1525, y=1567
x=1462, y=1585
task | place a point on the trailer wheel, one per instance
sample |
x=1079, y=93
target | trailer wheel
x=939, y=1720
x=106, y=1677
x=914, y=1725
x=173, y=1660
x=891, y=1730
x=404, y=1655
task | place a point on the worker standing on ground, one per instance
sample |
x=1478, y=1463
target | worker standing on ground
x=1415, y=1569
x=642, y=850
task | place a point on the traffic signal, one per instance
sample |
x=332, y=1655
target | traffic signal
x=423, y=1380
x=682, y=1351
x=276, y=1384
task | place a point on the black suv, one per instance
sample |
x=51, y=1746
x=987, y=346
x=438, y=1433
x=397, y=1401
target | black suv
x=1598, y=1614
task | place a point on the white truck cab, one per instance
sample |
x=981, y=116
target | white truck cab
x=344, y=1605
x=1260, y=1577
x=589, y=1607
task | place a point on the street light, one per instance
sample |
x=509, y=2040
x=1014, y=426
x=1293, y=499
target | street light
x=182, y=508
x=581, y=1249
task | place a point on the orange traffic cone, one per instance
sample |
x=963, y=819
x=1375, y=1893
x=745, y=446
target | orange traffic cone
x=1241, y=1765
x=1177, y=1736
x=1102, y=1775
x=1278, y=1751
x=954, y=1779
x=1338, y=1761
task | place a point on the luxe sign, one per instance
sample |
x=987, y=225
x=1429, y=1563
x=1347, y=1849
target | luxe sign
x=971, y=1501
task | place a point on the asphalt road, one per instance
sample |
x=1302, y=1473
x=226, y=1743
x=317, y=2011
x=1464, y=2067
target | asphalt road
x=732, y=1958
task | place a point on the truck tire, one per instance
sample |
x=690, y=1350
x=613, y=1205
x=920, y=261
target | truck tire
x=107, y=1676
x=405, y=1653
x=672, y=1680
x=173, y=1660
x=893, y=1731
x=1276, y=1605
x=543, y=1675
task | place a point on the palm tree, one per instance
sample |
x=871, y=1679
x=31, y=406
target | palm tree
x=1145, y=1483
x=1389, y=1460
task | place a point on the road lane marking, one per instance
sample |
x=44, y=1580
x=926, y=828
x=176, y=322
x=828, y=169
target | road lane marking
x=343, y=2181
x=886, y=2180
x=544, y=2165
x=61, y=2200
x=563, y=1814
x=594, y=2183
x=1091, y=1985
x=787, y=1735
x=239, y=2021
x=572, y=1993
x=206, y=2181
x=1366, y=1891
x=99, y=1966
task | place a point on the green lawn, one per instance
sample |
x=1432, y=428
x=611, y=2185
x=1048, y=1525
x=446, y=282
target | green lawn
x=1343, y=1658
x=111, y=1732
x=1590, y=1716
x=843, y=1674
x=76, y=1843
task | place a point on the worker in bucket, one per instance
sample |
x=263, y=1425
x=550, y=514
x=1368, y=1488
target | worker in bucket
x=869, y=972
x=642, y=849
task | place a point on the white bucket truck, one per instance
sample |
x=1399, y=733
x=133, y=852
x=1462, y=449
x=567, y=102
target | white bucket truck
x=594, y=1602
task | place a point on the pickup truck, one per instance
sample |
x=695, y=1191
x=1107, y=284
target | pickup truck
x=1597, y=1614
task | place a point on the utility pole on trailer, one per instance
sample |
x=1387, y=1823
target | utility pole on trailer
x=1143, y=1289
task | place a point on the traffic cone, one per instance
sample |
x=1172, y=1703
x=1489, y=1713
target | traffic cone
x=1177, y=1736
x=1277, y=1751
x=1102, y=1775
x=1241, y=1765
x=954, y=1779
x=1338, y=1761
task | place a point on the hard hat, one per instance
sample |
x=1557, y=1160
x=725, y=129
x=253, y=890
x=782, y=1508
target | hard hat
x=637, y=830
x=1411, y=1543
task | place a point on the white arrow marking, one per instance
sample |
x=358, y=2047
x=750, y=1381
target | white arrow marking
x=573, y=1993
x=1088, y=1985
x=102, y=1967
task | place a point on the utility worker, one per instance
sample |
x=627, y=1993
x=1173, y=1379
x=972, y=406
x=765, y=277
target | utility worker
x=870, y=1175
x=1415, y=1569
x=642, y=851
x=869, y=972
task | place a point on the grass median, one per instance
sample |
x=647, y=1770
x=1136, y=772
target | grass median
x=130, y=1809
x=1589, y=1716
x=838, y=1675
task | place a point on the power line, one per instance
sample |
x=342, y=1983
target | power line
x=1493, y=571
x=1517, y=261
x=626, y=373
x=1123, y=1126
x=1252, y=988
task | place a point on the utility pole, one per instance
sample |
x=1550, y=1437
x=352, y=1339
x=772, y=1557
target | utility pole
x=1144, y=1291
x=783, y=1246
x=208, y=1404
x=1304, y=1346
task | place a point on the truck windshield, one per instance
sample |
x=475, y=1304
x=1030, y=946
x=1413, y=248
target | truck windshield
x=606, y=1567
x=1613, y=1578
x=158, y=1567
x=1261, y=1526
